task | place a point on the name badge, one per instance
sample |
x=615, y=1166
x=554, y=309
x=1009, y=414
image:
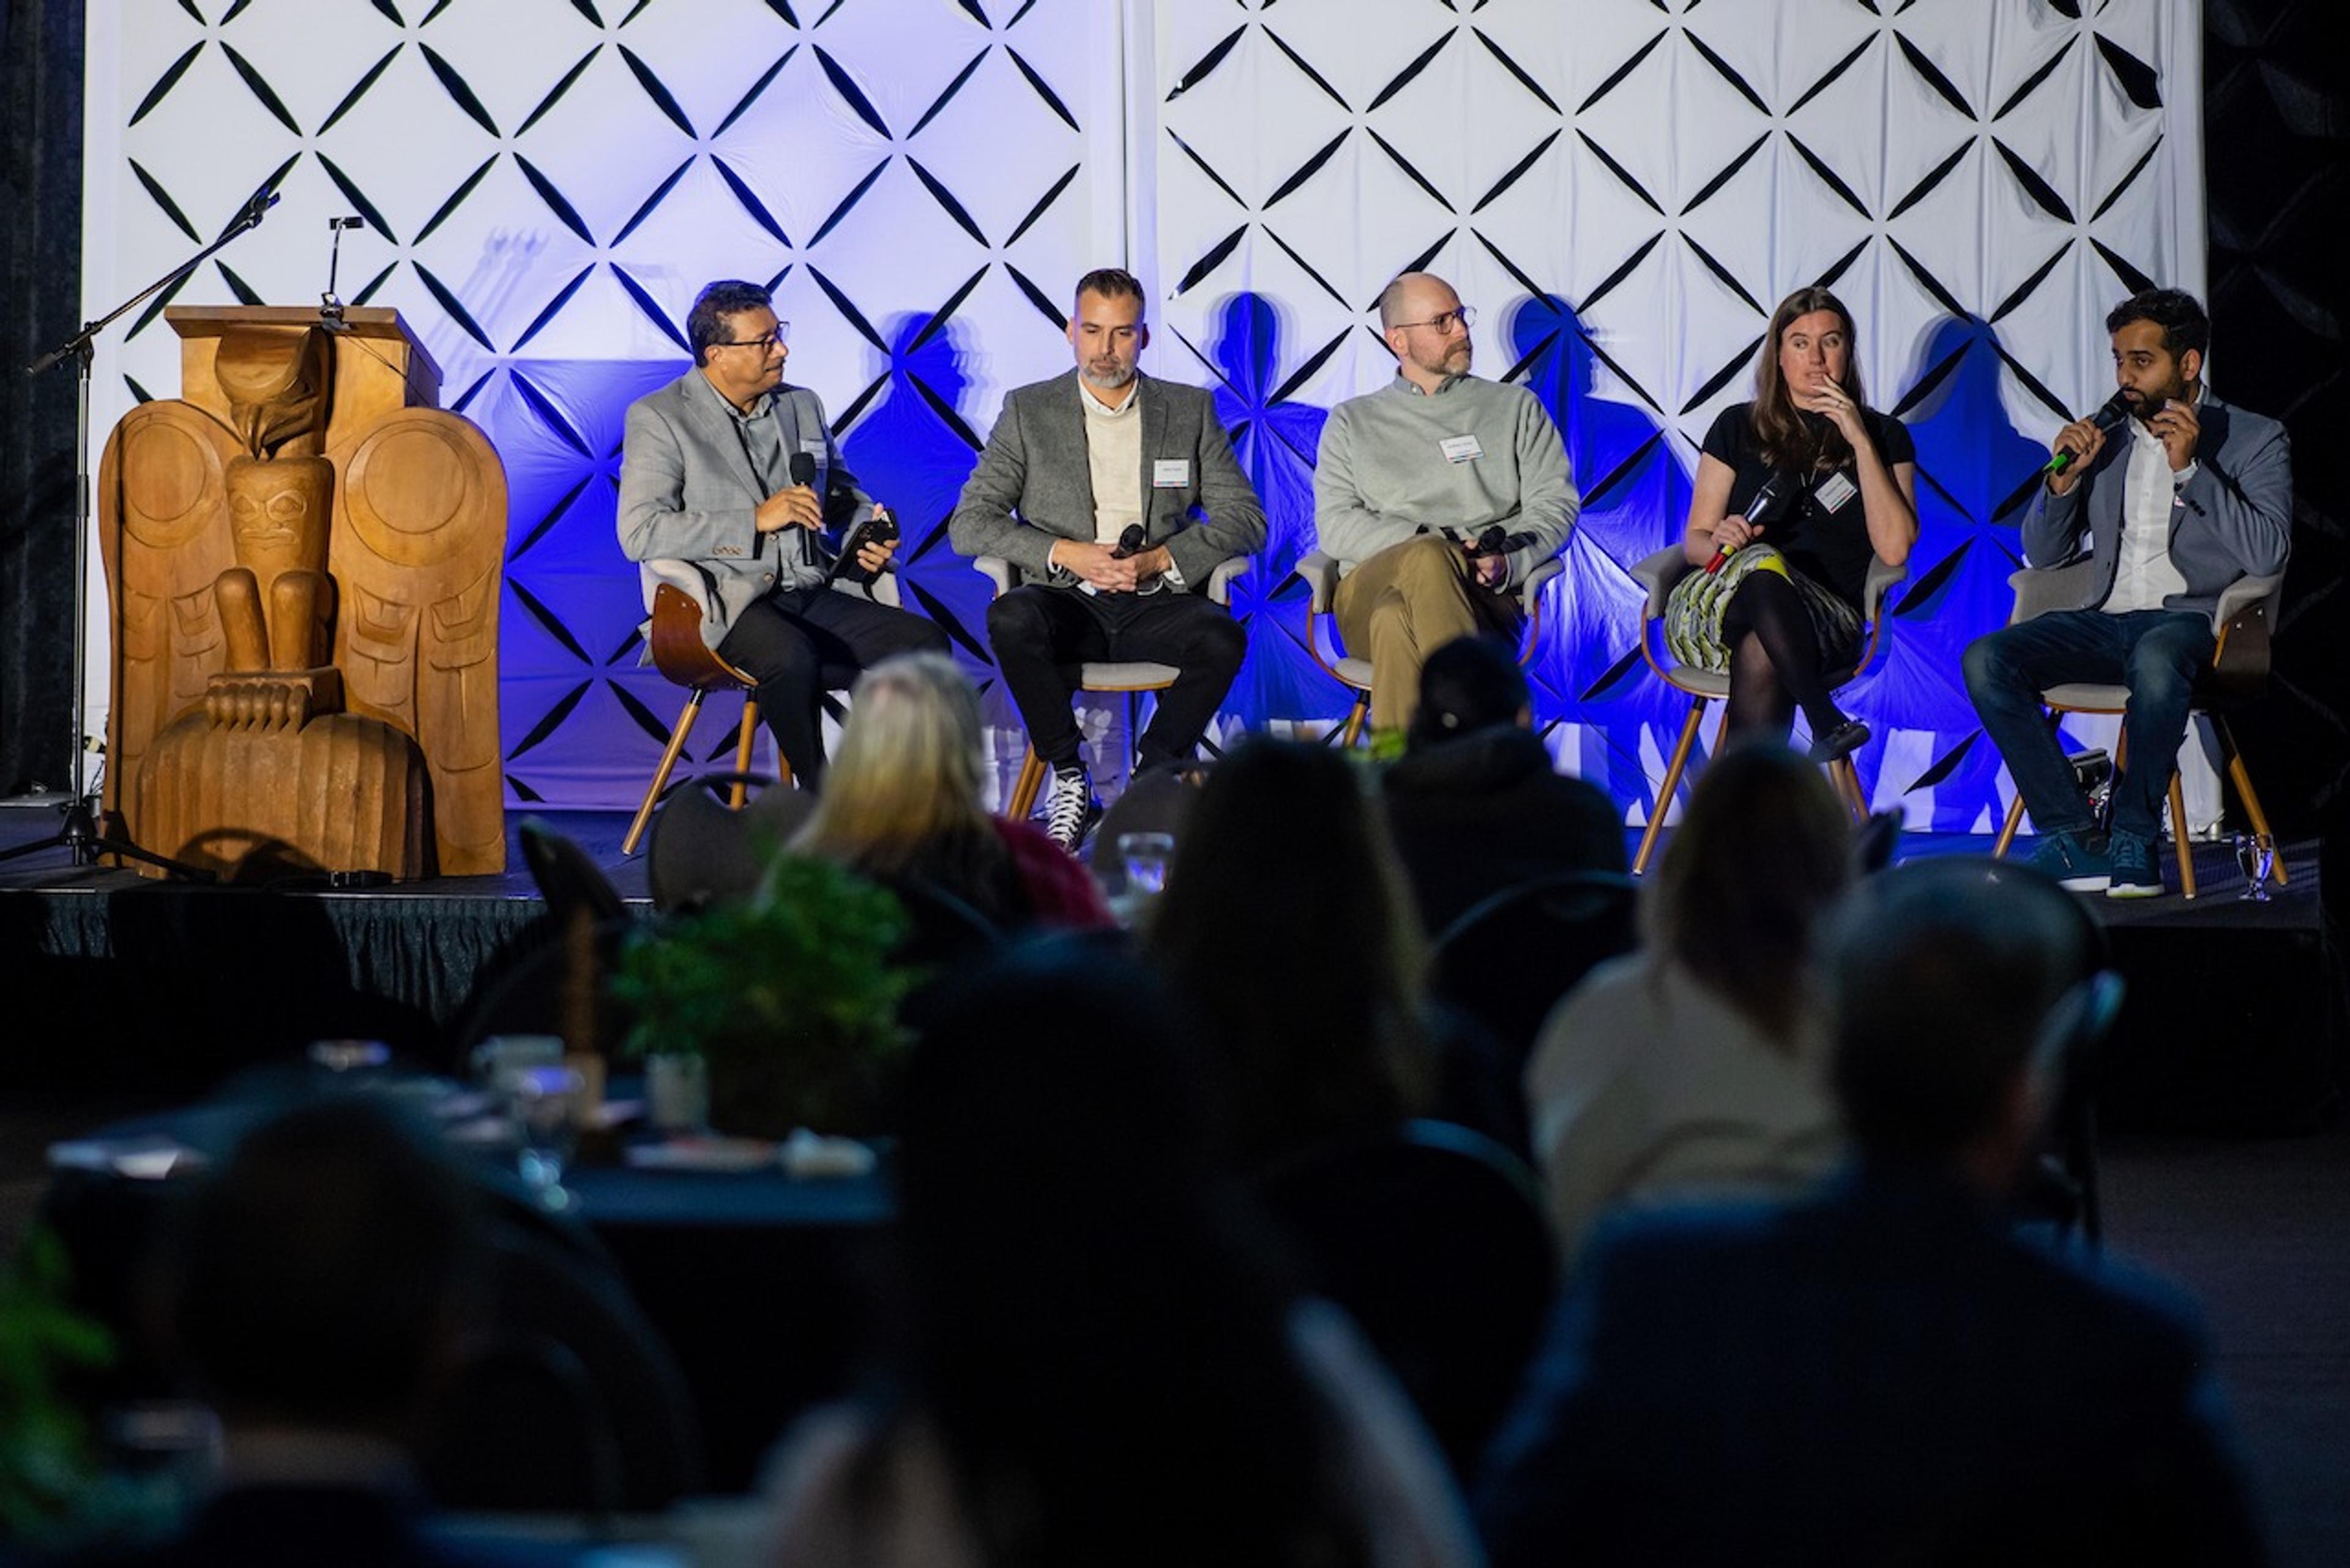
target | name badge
x=1170, y=473
x=1462, y=449
x=1834, y=493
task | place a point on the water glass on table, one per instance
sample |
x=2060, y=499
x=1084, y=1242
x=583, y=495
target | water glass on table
x=1145, y=857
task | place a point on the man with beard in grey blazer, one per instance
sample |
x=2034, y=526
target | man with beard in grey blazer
x=708, y=503
x=1115, y=496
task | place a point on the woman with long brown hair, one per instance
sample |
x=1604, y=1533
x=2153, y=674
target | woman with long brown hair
x=1795, y=493
x=1696, y=1066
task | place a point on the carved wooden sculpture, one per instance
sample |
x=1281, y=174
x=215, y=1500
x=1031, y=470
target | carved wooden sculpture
x=305, y=571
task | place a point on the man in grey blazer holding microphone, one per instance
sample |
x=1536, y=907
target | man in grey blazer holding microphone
x=729, y=481
x=1115, y=496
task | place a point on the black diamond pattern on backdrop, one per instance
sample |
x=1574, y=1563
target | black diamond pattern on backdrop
x=1680, y=112
x=921, y=201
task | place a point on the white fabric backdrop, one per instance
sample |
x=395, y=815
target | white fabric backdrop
x=1623, y=188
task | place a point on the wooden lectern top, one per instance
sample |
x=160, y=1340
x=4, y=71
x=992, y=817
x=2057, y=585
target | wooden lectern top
x=384, y=366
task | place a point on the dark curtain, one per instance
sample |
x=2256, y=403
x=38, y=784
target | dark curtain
x=2273, y=121
x=40, y=296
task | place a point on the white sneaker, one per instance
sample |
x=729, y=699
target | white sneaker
x=1075, y=810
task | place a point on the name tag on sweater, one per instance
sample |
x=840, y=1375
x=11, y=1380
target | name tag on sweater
x=1462, y=449
x=1170, y=472
x=1834, y=493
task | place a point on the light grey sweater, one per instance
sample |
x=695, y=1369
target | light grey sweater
x=1384, y=474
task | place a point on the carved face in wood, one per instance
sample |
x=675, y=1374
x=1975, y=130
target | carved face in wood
x=279, y=512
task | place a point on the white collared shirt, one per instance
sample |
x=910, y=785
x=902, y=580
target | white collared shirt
x=2143, y=574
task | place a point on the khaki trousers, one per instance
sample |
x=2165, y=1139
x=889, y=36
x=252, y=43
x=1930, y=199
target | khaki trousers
x=1405, y=603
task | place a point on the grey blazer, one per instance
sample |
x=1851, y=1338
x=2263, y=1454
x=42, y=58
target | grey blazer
x=1034, y=465
x=2233, y=517
x=689, y=498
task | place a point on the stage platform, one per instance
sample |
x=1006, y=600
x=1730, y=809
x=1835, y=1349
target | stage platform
x=2234, y=1021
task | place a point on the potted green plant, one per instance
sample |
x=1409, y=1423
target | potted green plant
x=789, y=998
x=48, y=1457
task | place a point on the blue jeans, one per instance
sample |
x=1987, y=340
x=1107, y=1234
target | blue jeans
x=2156, y=653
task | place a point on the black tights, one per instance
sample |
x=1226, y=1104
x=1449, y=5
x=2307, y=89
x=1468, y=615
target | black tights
x=1774, y=660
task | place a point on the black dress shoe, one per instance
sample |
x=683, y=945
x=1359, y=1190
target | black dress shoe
x=1841, y=741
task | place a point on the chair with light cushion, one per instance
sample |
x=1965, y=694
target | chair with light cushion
x=679, y=653
x=1658, y=574
x=2239, y=671
x=1322, y=574
x=1129, y=677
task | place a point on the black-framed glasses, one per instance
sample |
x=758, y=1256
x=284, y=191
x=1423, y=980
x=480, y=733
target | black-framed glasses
x=780, y=335
x=1464, y=318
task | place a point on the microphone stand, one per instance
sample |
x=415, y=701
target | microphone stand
x=78, y=832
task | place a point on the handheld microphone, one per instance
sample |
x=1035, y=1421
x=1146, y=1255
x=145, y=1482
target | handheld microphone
x=1129, y=542
x=1758, y=512
x=2109, y=414
x=802, y=468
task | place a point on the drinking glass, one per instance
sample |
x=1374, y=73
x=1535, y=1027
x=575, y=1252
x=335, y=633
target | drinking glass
x=1145, y=857
x=2256, y=858
x=548, y=1105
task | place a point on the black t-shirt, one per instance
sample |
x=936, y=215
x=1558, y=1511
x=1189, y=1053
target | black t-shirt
x=1829, y=545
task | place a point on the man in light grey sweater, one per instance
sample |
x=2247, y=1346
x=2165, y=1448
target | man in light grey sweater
x=1437, y=494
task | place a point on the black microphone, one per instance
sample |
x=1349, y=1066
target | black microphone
x=2111, y=413
x=1758, y=512
x=1129, y=542
x=802, y=468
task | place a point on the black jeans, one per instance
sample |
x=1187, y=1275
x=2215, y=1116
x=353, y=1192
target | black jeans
x=800, y=643
x=1038, y=632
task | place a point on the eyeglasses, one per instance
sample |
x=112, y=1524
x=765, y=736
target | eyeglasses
x=780, y=335
x=1464, y=318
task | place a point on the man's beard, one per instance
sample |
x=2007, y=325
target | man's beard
x=2144, y=406
x=1453, y=361
x=1110, y=379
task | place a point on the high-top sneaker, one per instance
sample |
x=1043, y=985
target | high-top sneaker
x=1075, y=811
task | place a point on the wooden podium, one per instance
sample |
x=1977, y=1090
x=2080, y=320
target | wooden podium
x=306, y=561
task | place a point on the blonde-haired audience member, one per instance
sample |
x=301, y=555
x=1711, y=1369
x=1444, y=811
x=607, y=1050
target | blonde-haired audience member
x=902, y=805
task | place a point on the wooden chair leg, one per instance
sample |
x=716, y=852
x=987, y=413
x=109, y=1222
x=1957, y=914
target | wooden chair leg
x=677, y=735
x=1355, y=717
x=1024, y=789
x=1671, y=782
x=1846, y=779
x=742, y=744
x=2006, y=832
x=2242, y=779
x=2181, y=841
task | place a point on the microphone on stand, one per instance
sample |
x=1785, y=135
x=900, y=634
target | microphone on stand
x=2109, y=415
x=256, y=207
x=330, y=306
x=1758, y=510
